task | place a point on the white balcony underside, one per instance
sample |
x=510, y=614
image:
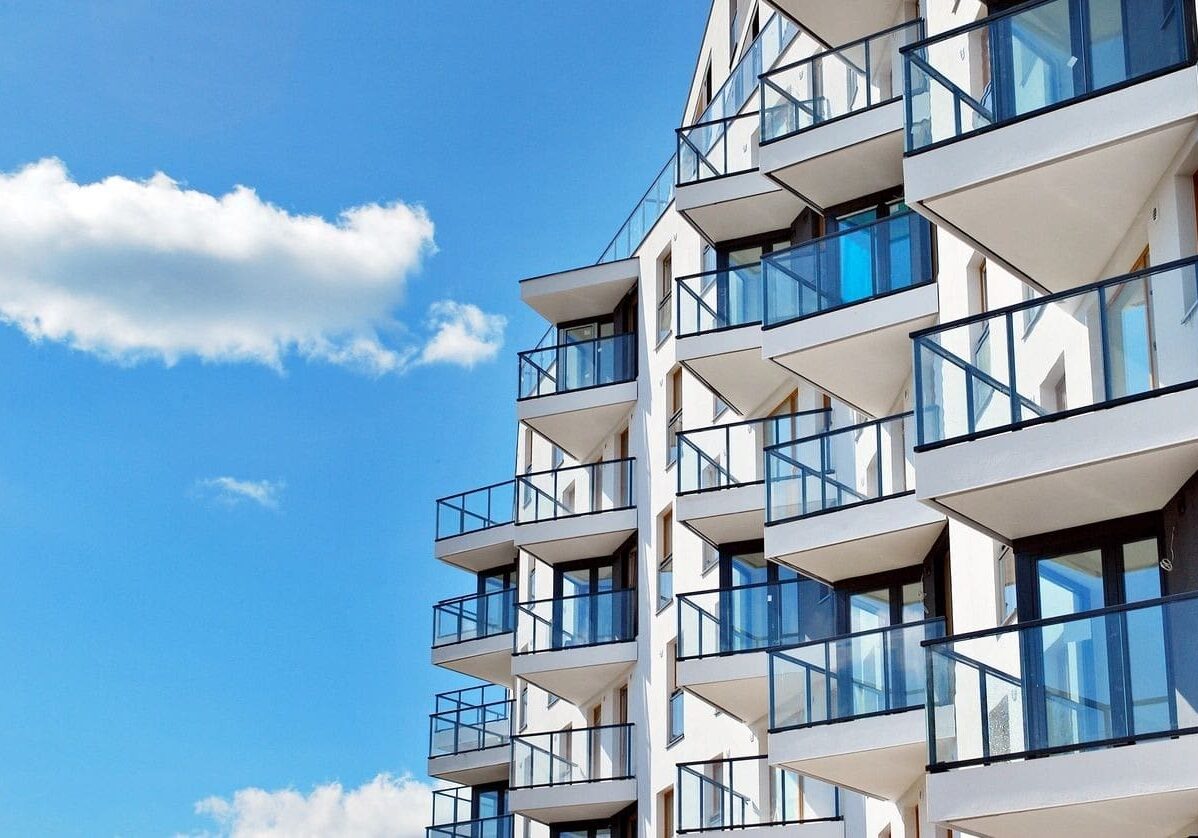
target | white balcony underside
x=1079, y=470
x=579, y=421
x=577, y=537
x=479, y=550
x=576, y=675
x=1053, y=195
x=724, y=516
x=858, y=540
x=843, y=21
x=842, y=159
x=860, y=352
x=881, y=756
x=580, y=293
x=574, y=802
x=731, y=363
x=488, y=765
x=1147, y=789
x=738, y=684
x=736, y=206
x=488, y=658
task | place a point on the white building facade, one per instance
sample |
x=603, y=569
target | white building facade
x=854, y=482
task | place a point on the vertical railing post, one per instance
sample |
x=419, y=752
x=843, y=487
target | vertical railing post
x=1104, y=349
x=881, y=471
x=1016, y=408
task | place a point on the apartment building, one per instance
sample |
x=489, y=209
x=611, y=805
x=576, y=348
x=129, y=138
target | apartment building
x=855, y=487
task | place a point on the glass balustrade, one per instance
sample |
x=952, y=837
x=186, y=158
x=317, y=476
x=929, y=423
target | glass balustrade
x=748, y=791
x=478, y=509
x=715, y=149
x=474, y=617
x=729, y=455
x=720, y=299
x=579, y=365
x=470, y=719
x=575, y=490
x=575, y=755
x=452, y=818
x=751, y=618
x=568, y=622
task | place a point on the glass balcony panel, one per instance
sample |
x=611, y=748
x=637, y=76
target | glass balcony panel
x=729, y=455
x=575, y=490
x=753, y=617
x=577, y=755
x=586, y=619
x=840, y=468
x=719, y=299
x=470, y=720
x=717, y=149
x=850, y=676
x=835, y=83
x=473, y=617
x=1069, y=682
x=745, y=791
x=1036, y=57
x=478, y=509
x=577, y=365
x=1116, y=339
x=856, y=264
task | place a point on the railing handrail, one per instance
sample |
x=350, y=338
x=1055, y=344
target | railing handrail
x=843, y=430
x=735, y=71
x=488, y=488
x=840, y=638
x=559, y=346
x=715, y=271
x=734, y=588
x=1043, y=622
x=579, y=466
x=475, y=596
x=570, y=731
x=481, y=689
x=526, y=605
x=878, y=222
x=640, y=201
x=457, y=711
x=918, y=21
x=976, y=24
x=1037, y=302
x=723, y=760
x=717, y=121
x=760, y=420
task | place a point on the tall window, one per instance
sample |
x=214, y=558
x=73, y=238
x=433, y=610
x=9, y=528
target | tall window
x=666, y=820
x=674, y=403
x=665, y=558
x=675, y=723
x=523, y=706
x=665, y=296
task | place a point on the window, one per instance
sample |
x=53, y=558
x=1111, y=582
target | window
x=733, y=27
x=704, y=98
x=665, y=559
x=1005, y=571
x=523, y=706
x=675, y=723
x=711, y=557
x=665, y=296
x=665, y=807
x=718, y=406
x=674, y=399
x=559, y=457
x=551, y=699
x=1031, y=314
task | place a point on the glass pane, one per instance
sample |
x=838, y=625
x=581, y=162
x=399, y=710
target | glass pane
x=869, y=610
x=1129, y=355
x=1141, y=570
x=1077, y=684
x=1070, y=584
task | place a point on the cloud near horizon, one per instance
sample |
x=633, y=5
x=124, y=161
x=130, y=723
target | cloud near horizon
x=132, y=271
x=385, y=807
x=232, y=491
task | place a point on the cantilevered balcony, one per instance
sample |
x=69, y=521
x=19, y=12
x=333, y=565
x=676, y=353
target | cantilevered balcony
x=724, y=634
x=576, y=512
x=575, y=774
x=1099, y=382
x=843, y=21
x=473, y=635
x=475, y=529
x=581, y=293
x=469, y=735
x=576, y=394
x=575, y=646
x=721, y=473
x=839, y=309
x=720, y=190
x=849, y=710
x=456, y=816
x=747, y=796
x=1039, y=133
x=1080, y=725
x=832, y=123
x=841, y=504
x=719, y=335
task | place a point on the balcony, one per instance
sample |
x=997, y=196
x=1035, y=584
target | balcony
x=473, y=635
x=576, y=512
x=1098, y=382
x=719, y=336
x=720, y=190
x=1071, y=726
x=746, y=796
x=475, y=529
x=724, y=634
x=841, y=504
x=574, y=646
x=581, y=293
x=721, y=473
x=577, y=394
x=839, y=309
x=849, y=710
x=844, y=21
x=832, y=124
x=1040, y=133
x=469, y=736
x=452, y=818
x=573, y=775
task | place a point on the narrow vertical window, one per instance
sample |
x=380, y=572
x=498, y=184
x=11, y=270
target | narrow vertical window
x=665, y=296
x=665, y=559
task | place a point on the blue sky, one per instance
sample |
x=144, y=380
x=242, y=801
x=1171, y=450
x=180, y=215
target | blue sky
x=164, y=638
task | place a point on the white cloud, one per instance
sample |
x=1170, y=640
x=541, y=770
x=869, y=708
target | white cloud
x=233, y=491
x=151, y=270
x=462, y=334
x=385, y=807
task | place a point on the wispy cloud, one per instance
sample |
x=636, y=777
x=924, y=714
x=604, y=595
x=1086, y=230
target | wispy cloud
x=134, y=270
x=385, y=807
x=231, y=490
